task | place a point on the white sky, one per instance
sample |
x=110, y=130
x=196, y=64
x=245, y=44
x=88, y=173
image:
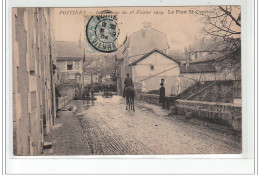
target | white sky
x=180, y=29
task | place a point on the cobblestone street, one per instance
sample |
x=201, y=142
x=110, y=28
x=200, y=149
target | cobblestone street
x=104, y=127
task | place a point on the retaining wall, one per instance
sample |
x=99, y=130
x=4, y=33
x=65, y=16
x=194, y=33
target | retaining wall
x=154, y=99
x=224, y=113
x=151, y=98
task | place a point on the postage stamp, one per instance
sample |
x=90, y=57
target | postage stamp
x=102, y=32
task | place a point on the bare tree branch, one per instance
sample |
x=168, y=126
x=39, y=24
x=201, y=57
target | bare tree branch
x=229, y=14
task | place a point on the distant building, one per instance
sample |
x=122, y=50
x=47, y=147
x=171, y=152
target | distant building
x=70, y=57
x=135, y=47
x=152, y=69
x=86, y=79
x=144, y=56
x=69, y=60
x=207, y=68
x=107, y=79
x=91, y=78
x=196, y=71
x=197, y=54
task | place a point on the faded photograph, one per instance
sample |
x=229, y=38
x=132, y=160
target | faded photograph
x=126, y=81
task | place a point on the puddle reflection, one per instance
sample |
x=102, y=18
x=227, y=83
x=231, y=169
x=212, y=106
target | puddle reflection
x=83, y=105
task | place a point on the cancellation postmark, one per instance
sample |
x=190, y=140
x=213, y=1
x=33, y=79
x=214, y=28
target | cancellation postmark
x=102, y=32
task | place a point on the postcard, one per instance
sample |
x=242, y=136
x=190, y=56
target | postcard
x=126, y=80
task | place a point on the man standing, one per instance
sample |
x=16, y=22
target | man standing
x=162, y=95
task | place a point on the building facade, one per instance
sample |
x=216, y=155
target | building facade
x=152, y=69
x=144, y=56
x=136, y=46
x=70, y=57
x=34, y=109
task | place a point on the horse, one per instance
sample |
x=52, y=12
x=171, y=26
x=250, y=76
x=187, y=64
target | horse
x=130, y=96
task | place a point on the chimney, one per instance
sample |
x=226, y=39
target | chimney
x=146, y=26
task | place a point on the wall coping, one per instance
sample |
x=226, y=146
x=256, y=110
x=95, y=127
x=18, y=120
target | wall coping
x=154, y=95
x=149, y=95
x=210, y=103
x=193, y=101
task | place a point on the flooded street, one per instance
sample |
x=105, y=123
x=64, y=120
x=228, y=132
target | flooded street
x=110, y=129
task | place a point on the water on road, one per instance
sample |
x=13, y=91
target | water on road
x=110, y=129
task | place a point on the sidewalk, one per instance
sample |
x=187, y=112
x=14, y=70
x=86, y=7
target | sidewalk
x=67, y=136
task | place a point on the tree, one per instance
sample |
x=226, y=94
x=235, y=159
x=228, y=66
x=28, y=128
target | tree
x=225, y=22
x=225, y=25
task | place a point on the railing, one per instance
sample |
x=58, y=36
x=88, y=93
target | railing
x=62, y=101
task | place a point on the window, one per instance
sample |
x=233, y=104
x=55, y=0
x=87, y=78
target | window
x=69, y=65
x=151, y=67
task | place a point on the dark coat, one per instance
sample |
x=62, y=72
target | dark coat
x=128, y=82
x=162, y=95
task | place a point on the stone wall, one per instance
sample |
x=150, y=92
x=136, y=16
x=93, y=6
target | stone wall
x=34, y=109
x=222, y=113
x=154, y=99
x=150, y=98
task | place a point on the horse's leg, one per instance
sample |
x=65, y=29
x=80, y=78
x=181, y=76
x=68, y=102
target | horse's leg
x=125, y=103
x=129, y=103
x=133, y=100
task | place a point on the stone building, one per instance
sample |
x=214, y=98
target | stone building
x=34, y=109
x=70, y=55
x=208, y=69
x=144, y=56
x=152, y=69
x=136, y=46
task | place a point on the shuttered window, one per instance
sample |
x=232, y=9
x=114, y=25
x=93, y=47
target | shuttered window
x=69, y=65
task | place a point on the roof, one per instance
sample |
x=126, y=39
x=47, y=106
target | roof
x=144, y=41
x=200, y=67
x=155, y=50
x=68, y=50
x=119, y=53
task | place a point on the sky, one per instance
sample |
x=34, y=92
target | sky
x=180, y=24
